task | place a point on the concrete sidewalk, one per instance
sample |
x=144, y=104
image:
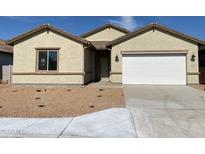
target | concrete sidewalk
x=115, y=122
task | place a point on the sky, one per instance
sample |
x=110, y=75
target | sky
x=11, y=26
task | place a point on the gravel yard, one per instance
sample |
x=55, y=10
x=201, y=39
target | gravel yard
x=19, y=101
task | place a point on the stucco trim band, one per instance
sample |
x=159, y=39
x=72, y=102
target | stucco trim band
x=115, y=73
x=193, y=73
x=155, y=52
x=48, y=48
x=48, y=73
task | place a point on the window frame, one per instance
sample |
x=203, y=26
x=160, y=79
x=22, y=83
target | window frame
x=47, y=51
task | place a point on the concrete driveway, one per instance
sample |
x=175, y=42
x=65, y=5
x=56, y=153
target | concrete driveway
x=166, y=111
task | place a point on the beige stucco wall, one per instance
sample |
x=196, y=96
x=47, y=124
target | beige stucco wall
x=154, y=40
x=48, y=79
x=108, y=34
x=71, y=58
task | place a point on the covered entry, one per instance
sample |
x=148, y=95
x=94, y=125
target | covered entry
x=102, y=65
x=154, y=68
x=102, y=61
x=202, y=65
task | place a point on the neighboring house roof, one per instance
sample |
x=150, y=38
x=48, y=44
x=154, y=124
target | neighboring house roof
x=99, y=45
x=5, y=48
x=48, y=27
x=123, y=30
x=154, y=26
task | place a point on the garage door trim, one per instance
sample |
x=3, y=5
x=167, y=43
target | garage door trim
x=157, y=52
x=154, y=52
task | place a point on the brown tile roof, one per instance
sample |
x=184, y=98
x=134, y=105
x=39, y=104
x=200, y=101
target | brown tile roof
x=48, y=27
x=99, y=45
x=154, y=26
x=5, y=48
x=104, y=27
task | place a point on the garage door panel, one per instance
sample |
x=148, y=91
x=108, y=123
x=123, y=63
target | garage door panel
x=154, y=69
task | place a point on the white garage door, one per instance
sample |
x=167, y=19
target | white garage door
x=156, y=69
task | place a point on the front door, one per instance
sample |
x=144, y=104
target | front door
x=102, y=66
x=202, y=67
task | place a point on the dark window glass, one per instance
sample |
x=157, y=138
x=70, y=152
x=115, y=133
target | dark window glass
x=42, y=60
x=52, y=65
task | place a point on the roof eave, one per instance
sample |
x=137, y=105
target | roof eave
x=129, y=35
x=76, y=38
x=94, y=31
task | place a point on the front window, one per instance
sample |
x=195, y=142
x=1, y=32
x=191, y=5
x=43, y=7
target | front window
x=52, y=63
x=42, y=65
x=47, y=60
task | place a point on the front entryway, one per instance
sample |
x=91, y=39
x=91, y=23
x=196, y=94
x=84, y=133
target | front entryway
x=202, y=67
x=102, y=65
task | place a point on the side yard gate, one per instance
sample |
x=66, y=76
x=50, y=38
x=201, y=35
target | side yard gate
x=7, y=74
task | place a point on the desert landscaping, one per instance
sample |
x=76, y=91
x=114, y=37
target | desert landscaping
x=22, y=101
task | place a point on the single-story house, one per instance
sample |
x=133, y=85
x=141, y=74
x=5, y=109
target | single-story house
x=153, y=54
x=6, y=55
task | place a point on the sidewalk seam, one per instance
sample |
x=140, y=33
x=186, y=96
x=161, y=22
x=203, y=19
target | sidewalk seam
x=133, y=121
x=65, y=128
x=31, y=124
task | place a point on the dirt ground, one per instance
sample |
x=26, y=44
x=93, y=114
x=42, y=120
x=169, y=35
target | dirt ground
x=58, y=101
x=199, y=87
